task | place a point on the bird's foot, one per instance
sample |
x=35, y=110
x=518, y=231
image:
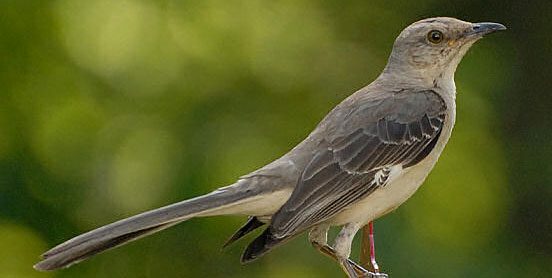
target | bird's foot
x=330, y=252
x=353, y=270
x=375, y=275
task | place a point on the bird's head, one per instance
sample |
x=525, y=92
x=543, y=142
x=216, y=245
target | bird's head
x=433, y=47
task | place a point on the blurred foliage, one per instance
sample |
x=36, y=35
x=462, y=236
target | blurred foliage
x=109, y=108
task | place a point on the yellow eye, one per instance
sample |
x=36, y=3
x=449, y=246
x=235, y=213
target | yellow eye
x=435, y=36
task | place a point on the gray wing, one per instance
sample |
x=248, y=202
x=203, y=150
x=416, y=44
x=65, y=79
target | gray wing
x=355, y=157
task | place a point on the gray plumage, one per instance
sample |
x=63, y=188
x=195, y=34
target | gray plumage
x=354, y=158
x=364, y=159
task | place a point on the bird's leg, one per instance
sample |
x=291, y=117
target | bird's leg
x=375, y=266
x=318, y=236
x=342, y=247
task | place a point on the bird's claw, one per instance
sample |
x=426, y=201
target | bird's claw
x=375, y=275
x=354, y=270
x=350, y=267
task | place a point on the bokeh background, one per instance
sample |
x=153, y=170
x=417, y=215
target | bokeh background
x=109, y=108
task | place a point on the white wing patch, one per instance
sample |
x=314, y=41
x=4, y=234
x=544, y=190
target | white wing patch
x=381, y=177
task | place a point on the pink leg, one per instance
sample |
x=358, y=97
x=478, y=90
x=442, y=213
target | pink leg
x=375, y=266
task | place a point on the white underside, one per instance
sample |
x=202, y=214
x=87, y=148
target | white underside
x=259, y=205
x=402, y=184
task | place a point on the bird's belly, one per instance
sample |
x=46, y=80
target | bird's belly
x=384, y=199
x=401, y=185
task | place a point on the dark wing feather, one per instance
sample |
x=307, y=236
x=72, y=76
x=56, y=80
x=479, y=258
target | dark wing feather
x=355, y=158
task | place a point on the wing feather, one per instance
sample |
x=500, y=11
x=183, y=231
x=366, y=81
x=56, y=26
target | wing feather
x=356, y=153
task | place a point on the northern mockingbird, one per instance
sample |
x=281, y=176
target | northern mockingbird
x=364, y=159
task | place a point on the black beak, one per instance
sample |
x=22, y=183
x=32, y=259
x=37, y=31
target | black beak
x=484, y=28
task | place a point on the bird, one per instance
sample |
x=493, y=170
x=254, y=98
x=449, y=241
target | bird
x=365, y=158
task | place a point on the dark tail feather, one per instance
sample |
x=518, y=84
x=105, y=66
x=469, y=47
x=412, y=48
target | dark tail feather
x=56, y=261
x=251, y=224
x=260, y=246
x=227, y=200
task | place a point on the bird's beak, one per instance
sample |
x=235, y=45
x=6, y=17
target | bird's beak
x=484, y=28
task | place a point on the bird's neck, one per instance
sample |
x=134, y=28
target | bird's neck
x=412, y=78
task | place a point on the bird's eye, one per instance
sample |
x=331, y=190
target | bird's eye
x=435, y=36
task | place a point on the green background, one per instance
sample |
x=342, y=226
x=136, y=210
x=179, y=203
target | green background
x=109, y=108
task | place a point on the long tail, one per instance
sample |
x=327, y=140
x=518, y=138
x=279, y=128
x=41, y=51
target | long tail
x=227, y=200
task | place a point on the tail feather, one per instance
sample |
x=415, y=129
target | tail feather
x=80, y=253
x=226, y=200
x=251, y=224
x=261, y=245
